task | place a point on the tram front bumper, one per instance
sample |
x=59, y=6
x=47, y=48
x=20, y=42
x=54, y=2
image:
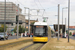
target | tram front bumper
x=40, y=39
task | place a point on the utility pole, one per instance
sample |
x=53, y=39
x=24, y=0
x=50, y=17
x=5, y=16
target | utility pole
x=25, y=21
x=65, y=24
x=68, y=17
x=65, y=27
x=62, y=21
x=62, y=18
x=18, y=21
x=58, y=20
x=29, y=21
x=5, y=20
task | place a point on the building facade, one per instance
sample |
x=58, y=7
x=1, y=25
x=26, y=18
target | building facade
x=11, y=12
x=72, y=29
x=31, y=21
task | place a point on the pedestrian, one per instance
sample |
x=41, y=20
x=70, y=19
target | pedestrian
x=23, y=35
x=32, y=34
x=67, y=35
x=27, y=34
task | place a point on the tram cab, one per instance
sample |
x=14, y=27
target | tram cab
x=41, y=32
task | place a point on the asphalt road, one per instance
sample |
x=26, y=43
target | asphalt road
x=13, y=37
x=72, y=37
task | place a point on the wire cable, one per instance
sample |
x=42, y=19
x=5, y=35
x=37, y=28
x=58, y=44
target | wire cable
x=40, y=4
x=8, y=0
x=20, y=3
x=36, y=4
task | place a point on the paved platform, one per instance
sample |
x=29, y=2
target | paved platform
x=62, y=44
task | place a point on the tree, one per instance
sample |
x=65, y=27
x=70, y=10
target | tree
x=70, y=33
x=2, y=28
x=26, y=29
x=32, y=23
x=15, y=29
x=31, y=27
x=52, y=31
x=21, y=29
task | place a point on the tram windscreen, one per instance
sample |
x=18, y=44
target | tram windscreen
x=40, y=30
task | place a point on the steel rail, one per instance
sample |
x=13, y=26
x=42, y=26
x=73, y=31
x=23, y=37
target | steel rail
x=26, y=47
x=23, y=41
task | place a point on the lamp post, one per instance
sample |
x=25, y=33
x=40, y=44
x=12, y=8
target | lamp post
x=65, y=27
x=68, y=17
x=18, y=22
x=28, y=19
x=62, y=18
x=5, y=20
x=58, y=20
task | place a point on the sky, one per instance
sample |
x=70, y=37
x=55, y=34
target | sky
x=51, y=10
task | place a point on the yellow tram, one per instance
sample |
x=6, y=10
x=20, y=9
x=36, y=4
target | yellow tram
x=41, y=32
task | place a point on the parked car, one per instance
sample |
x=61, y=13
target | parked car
x=2, y=36
x=73, y=34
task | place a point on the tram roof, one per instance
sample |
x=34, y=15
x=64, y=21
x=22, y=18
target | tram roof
x=40, y=23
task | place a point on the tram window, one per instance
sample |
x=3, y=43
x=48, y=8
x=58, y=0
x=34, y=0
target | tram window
x=40, y=30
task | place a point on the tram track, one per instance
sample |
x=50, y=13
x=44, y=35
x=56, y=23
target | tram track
x=14, y=44
x=34, y=46
x=39, y=47
x=26, y=47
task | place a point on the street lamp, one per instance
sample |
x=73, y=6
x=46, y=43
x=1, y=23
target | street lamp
x=5, y=20
x=28, y=19
x=62, y=17
x=65, y=27
x=58, y=19
x=68, y=17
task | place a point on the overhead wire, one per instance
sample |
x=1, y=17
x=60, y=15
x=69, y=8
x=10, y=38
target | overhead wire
x=42, y=8
x=21, y=3
x=36, y=4
x=40, y=4
x=8, y=0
